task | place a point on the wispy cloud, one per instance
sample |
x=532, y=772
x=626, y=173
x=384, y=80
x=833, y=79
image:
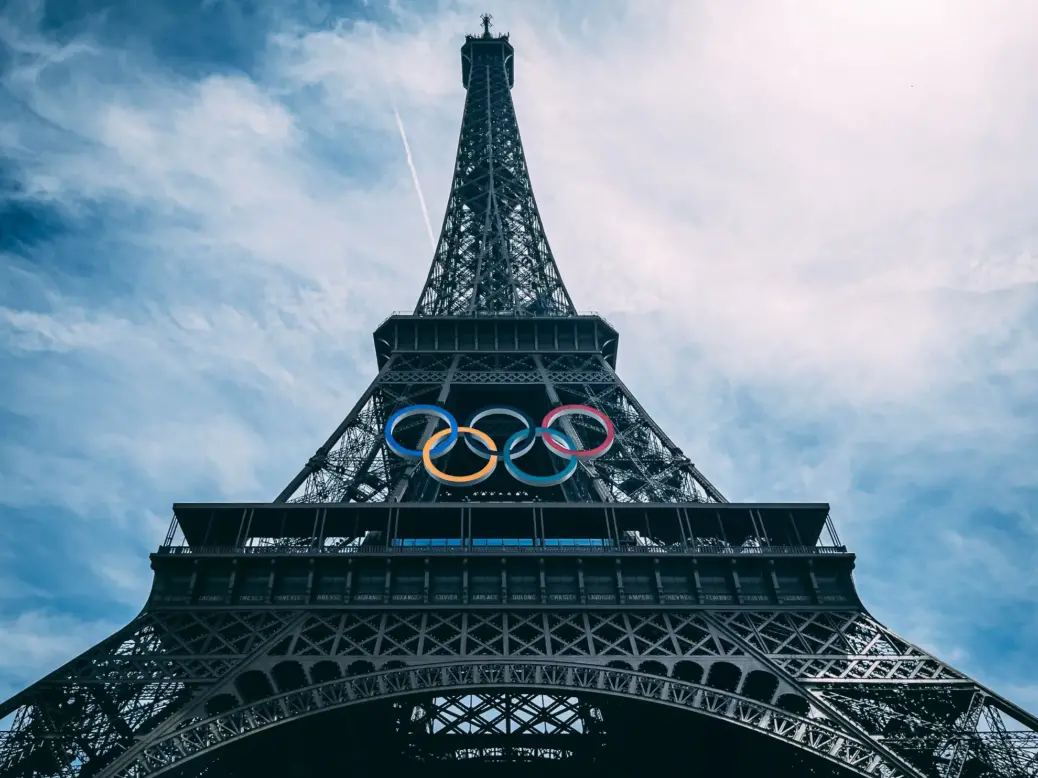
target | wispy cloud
x=813, y=224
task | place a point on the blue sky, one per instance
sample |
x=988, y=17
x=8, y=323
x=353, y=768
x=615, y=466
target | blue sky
x=813, y=224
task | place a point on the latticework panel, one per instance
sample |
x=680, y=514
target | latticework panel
x=416, y=635
x=356, y=465
x=501, y=714
x=484, y=369
x=95, y=706
x=643, y=465
x=936, y=717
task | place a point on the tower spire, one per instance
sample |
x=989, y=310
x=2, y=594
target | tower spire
x=493, y=256
x=494, y=312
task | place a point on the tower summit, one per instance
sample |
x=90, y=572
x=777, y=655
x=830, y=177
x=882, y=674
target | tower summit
x=493, y=256
x=499, y=562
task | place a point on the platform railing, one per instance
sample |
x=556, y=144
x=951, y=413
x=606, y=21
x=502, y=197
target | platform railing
x=484, y=314
x=455, y=550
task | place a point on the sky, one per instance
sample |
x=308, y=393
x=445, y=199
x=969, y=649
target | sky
x=813, y=224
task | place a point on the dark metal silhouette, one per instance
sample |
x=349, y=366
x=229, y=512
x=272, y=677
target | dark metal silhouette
x=631, y=621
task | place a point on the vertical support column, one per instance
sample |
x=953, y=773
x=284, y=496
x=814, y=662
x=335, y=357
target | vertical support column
x=696, y=581
x=309, y=580
x=758, y=533
x=270, y=581
x=835, y=538
x=244, y=528
x=620, y=593
x=681, y=528
x=171, y=532
x=319, y=540
x=425, y=584
x=763, y=530
x=688, y=525
x=430, y=426
x=465, y=581
x=504, y=581
x=796, y=529
x=600, y=488
x=737, y=587
x=659, y=579
x=616, y=527
x=229, y=597
x=967, y=728
x=193, y=583
x=814, y=581
x=580, y=581
x=774, y=580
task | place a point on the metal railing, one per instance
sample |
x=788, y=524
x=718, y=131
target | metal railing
x=410, y=312
x=441, y=550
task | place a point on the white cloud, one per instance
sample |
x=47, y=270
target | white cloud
x=36, y=642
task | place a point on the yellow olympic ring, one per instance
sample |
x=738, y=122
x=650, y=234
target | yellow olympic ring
x=476, y=477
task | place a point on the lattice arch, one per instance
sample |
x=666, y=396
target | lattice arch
x=810, y=731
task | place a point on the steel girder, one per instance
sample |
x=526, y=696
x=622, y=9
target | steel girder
x=178, y=684
x=493, y=255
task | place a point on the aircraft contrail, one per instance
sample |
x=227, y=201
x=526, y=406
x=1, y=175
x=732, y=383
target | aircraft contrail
x=414, y=176
x=403, y=135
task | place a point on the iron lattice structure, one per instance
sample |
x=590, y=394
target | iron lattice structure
x=372, y=620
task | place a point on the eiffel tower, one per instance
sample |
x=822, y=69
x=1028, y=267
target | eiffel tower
x=565, y=599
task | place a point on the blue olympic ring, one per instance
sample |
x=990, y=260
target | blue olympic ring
x=536, y=480
x=421, y=410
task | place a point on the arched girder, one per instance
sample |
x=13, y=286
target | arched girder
x=809, y=733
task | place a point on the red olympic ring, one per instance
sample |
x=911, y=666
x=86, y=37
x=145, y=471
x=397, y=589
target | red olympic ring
x=579, y=410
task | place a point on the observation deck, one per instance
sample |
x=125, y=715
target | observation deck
x=515, y=555
x=505, y=334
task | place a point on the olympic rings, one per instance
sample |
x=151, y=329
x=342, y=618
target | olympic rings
x=518, y=445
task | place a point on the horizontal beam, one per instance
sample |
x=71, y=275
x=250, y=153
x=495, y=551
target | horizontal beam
x=183, y=577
